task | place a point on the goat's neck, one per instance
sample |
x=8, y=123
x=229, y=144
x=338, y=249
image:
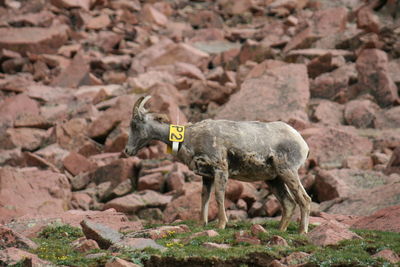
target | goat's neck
x=160, y=131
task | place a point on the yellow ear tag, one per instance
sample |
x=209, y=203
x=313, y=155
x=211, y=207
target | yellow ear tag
x=176, y=136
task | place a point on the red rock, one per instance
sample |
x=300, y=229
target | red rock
x=84, y=245
x=10, y=238
x=53, y=154
x=181, y=53
x=153, y=181
x=13, y=107
x=330, y=21
x=81, y=201
x=136, y=243
x=71, y=134
x=208, y=233
x=116, y=220
x=116, y=140
x=303, y=39
x=277, y=240
x=142, y=60
x=108, y=120
x=330, y=146
x=20, y=188
x=34, y=39
x=103, y=235
x=107, y=40
x=117, y=262
x=74, y=74
x=249, y=193
x=333, y=85
x=382, y=193
x=33, y=160
x=151, y=15
x=205, y=19
x=256, y=210
x=257, y=229
x=244, y=237
x=68, y=4
x=320, y=65
x=261, y=98
x=236, y=7
x=26, y=138
x=367, y=20
x=271, y=206
x=175, y=181
x=361, y=113
x=146, y=80
x=99, y=22
x=388, y=118
x=187, y=206
x=393, y=166
x=116, y=171
x=13, y=256
x=131, y=203
x=330, y=233
x=212, y=245
x=386, y=219
x=241, y=204
x=166, y=99
x=233, y=190
x=276, y=263
x=296, y=258
x=236, y=215
x=254, y=51
x=76, y=163
x=345, y=182
x=326, y=112
x=202, y=92
x=388, y=255
x=32, y=121
x=373, y=77
x=164, y=231
x=358, y=162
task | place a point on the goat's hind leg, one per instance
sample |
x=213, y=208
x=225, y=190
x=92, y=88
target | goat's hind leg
x=285, y=198
x=205, y=198
x=221, y=179
x=292, y=181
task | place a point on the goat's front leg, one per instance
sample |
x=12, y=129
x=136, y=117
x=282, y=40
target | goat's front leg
x=205, y=198
x=221, y=179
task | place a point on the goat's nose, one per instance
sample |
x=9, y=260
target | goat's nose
x=126, y=151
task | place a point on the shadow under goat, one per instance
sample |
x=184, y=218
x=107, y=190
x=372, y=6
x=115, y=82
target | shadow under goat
x=242, y=150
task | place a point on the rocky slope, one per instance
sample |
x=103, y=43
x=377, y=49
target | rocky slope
x=70, y=72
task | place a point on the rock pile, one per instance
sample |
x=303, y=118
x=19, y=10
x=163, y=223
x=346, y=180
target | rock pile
x=71, y=70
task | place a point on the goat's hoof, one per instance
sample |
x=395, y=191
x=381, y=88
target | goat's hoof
x=222, y=226
x=302, y=232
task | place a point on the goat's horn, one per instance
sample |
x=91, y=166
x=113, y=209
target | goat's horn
x=137, y=104
x=143, y=102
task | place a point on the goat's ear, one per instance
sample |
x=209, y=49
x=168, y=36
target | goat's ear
x=161, y=118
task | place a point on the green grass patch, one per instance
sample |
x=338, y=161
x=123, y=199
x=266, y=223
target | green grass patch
x=55, y=245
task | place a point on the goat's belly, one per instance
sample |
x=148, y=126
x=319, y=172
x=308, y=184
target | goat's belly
x=250, y=175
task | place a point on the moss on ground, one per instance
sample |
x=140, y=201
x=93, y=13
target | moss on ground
x=55, y=246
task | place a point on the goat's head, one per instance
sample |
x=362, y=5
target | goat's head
x=142, y=125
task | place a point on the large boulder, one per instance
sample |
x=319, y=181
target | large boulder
x=373, y=76
x=281, y=93
x=330, y=146
x=29, y=190
x=387, y=219
x=33, y=39
x=367, y=201
x=330, y=184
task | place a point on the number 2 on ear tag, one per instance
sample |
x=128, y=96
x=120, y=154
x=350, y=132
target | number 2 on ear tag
x=176, y=133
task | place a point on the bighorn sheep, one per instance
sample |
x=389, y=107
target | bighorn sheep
x=246, y=151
